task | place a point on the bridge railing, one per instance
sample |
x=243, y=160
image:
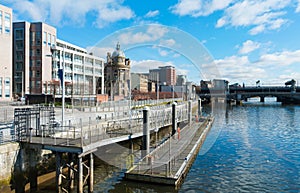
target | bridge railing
x=77, y=134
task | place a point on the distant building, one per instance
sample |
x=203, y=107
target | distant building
x=181, y=80
x=32, y=67
x=154, y=75
x=167, y=75
x=5, y=53
x=139, y=82
x=117, y=75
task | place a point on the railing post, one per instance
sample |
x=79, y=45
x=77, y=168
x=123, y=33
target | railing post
x=190, y=112
x=81, y=133
x=174, y=118
x=146, y=132
x=199, y=107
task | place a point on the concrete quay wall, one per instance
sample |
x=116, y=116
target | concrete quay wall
x=8, y=157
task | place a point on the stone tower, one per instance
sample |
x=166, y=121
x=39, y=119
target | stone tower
x=117, y=75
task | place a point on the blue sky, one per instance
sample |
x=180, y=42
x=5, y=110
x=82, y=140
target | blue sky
x=247, y=40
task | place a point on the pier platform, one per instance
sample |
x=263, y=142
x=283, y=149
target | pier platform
x=170, y=162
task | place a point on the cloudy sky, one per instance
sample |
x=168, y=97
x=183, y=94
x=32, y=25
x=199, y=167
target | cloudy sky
x=239, y=40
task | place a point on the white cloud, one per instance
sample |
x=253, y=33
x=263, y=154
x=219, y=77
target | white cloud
x=73, y=11
x=152, y=14
x=268, y=68
x=143, y=66
x=196, y=8
x=249, y=46
x=152, y=33
x=168, y=42
x=99, y=51
x=298, y=7
x=284, y=58
x=163, y=52
x=261, y=15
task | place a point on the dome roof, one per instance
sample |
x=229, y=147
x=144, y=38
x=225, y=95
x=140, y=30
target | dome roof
x=118, y=52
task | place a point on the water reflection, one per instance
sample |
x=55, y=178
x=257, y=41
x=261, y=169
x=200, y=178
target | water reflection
x=249, y=149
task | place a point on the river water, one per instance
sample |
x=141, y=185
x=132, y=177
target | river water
x=250, y=148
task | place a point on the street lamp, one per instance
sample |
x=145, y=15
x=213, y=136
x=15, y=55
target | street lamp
x=61, y=75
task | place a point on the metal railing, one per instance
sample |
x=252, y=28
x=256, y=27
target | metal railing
x=77, y=134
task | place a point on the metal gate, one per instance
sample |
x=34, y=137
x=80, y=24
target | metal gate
x=29, y=121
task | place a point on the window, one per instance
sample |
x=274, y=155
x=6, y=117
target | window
x=31, y=52
x=38, y=63
x=38, y=84
x=32, y=63
x=45, y=38
x=53, y=40
x=38, y=52
x=7, y=23
x=0, y=86
x=49, y=39
x=19, y=34
x=7, y=87
x=19, y=66
x=19, y=44
x=0, y=23
x=37, y=73
x=19, y=55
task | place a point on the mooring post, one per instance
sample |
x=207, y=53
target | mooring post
x=91, y=177
x=199, y=107
x=80, y=176
x=190, y=112
x=174, y=118
x=146, y=132
x=58, y=172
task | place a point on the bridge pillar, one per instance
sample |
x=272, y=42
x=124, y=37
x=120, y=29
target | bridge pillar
x=146, y=132
x=58, y=178
x=199, y=107
x=190, y=112
x=71, y=171
x=19, y=171
x=80, y=176
x=33, y=174
x=91, y=176
x=262, y=99
x=174, y=118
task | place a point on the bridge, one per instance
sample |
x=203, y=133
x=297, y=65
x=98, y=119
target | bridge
x=285, y=95
x=36, y=129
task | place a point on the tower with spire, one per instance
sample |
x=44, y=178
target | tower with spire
x=117, y=74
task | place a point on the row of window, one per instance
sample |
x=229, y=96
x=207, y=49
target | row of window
x=6, y=87
x=48, y=39
x=7, y=22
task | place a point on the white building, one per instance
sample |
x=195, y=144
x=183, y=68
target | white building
x=84, y=72
x=5, y=53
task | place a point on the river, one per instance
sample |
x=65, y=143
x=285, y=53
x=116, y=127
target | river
x=250, y=148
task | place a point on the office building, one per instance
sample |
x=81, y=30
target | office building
x=5, y=53
x=84, y=72
x=38, y=55
x=167, y=75
x=32, y=66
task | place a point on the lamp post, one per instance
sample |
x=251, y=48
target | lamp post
x=63, y=88
x=61, y=74
x=157, y=88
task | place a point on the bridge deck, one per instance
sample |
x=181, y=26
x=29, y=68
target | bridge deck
x=81, y=139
